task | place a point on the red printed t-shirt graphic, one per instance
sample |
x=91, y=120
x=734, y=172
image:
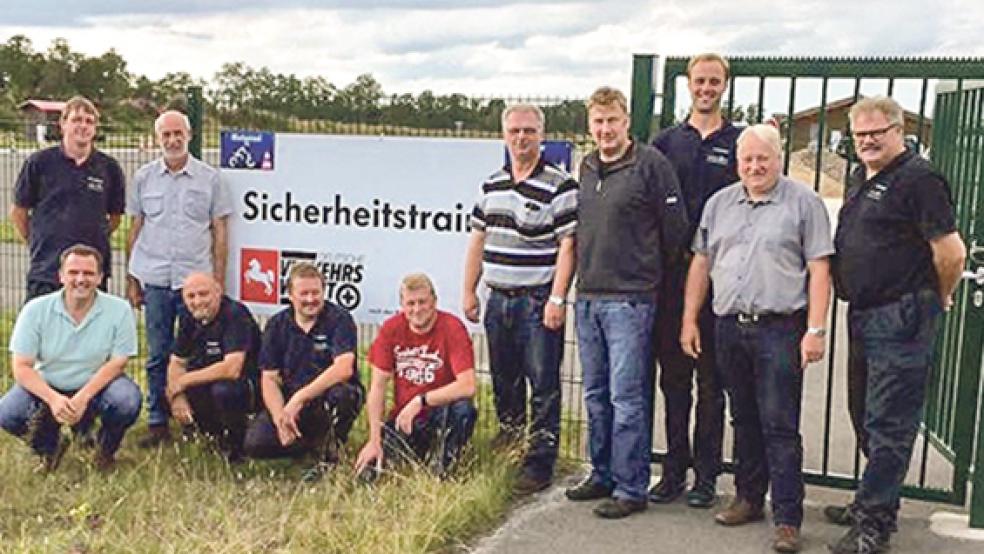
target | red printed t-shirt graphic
x=258, y=275
x=421, y=363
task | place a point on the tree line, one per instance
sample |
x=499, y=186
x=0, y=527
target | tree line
x=239, y=95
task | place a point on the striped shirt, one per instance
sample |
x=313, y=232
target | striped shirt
x=523, y=224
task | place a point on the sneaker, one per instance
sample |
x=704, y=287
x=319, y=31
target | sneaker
x=528, y=484
x=787, y=539
x=702, y=495
x=667, y=490
x=739, y=512
x=617, y=508
x=839, y=515
x=860, y=541
x=156, y=436
x=587, y=490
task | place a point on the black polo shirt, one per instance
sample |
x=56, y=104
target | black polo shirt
x=232, y=330
x=884, y=229
x=300, y=357
x=703, y=165
x=69, y=204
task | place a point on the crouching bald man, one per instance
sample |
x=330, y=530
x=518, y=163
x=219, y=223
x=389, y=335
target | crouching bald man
x=429, y=353
x=212, y=375
x=69, y=348
x=308, y=380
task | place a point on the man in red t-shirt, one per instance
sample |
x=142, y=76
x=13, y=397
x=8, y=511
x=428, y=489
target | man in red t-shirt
x=430, y=354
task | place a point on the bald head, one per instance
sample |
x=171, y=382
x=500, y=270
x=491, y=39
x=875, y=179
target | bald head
x=202, y=296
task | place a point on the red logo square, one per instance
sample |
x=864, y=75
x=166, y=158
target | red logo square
x=259, y=276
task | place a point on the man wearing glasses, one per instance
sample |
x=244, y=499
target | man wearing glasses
x=897, y=203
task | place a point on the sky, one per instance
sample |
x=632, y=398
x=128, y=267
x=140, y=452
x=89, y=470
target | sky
x=557, y=48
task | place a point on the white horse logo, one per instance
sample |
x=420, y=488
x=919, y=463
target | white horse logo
x=255, y=273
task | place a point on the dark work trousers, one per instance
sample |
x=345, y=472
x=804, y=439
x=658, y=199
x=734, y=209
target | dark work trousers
x=324, y=423
x=219, y=409
x=891, y=355
x=676, y=379
x=763, y=375
x=521, y=350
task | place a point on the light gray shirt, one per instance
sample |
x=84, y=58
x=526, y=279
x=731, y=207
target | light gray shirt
x=758, y=251
x=177, y=210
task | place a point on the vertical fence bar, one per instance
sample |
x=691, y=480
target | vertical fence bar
x=790, y=128
x=642, y=96
x=821, y=133
x=196, y=114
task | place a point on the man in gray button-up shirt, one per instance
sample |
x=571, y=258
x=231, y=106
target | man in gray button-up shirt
x=179, y=208
x=764, y=242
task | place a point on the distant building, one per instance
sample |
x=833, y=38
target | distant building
x=806, y=125
x=43, y=115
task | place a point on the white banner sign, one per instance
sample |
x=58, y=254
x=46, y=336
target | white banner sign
x=365, y=210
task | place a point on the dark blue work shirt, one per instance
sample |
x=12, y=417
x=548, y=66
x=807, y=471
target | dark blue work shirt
x=703, y=166
x=232, y=330
x=69, y=204
x=884, y=228
x=301, y=356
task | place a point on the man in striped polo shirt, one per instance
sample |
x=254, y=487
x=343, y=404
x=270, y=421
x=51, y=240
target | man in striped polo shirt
x=522, y=241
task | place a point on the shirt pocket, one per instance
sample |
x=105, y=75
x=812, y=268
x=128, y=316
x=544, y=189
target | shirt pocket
x=196, y=205
x=153, y=205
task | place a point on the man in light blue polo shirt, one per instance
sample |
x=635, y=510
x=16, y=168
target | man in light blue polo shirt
x=179, y=208
x=69, y=348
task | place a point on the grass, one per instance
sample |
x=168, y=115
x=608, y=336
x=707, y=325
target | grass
x=184, y=498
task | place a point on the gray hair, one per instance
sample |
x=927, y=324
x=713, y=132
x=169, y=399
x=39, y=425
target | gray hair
x=764, y=132
x=887, y=106
x=524, y=107
x=160, y=120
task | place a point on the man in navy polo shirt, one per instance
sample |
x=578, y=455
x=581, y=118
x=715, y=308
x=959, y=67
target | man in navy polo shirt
x=68, y=194
x=310, y=387
x=702, y=151
x=213, y=371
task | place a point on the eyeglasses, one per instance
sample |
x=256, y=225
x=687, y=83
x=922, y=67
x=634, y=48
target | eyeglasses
x=874, y=134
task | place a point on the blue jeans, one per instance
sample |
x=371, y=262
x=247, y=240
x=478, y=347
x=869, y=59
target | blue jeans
x=438, y=437
x=162, y=305
x=522, y=349
x=893, y=348
x=615, y=345
x=760, y=364
x=117, y=407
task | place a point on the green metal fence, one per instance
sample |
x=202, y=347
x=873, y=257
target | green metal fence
x=808, y=98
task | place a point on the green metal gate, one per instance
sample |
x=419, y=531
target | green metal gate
x=949, y=127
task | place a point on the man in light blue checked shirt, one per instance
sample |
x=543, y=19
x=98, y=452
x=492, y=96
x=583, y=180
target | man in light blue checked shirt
x=179, y=209
x=522, y=242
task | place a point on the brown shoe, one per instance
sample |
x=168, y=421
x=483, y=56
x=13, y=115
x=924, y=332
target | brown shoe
x=787, y=539
x=104, y=461
x=739, y=512
x=156, y=436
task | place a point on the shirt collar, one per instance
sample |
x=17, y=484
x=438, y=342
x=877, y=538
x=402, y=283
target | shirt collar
x=188, y=168
x=94, y=310
x=773, y=197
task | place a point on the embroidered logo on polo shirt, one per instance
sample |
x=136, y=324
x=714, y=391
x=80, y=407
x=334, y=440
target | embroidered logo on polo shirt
x=718, y=156
x=320, y=343
x=877, y=191
x=213, y=348
x=93, y=183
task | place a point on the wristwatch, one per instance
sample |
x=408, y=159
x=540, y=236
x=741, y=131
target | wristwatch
x=818, y=331
x=556, y=300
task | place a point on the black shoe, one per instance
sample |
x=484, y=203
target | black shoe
x=666, y=491
x=860, y=541
x=617, y=508
x=839, y=515
x=505, y=441
x=702, y=495
x=529, y=484
x=50, y=462
x=587, y=490
x=156, y=436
